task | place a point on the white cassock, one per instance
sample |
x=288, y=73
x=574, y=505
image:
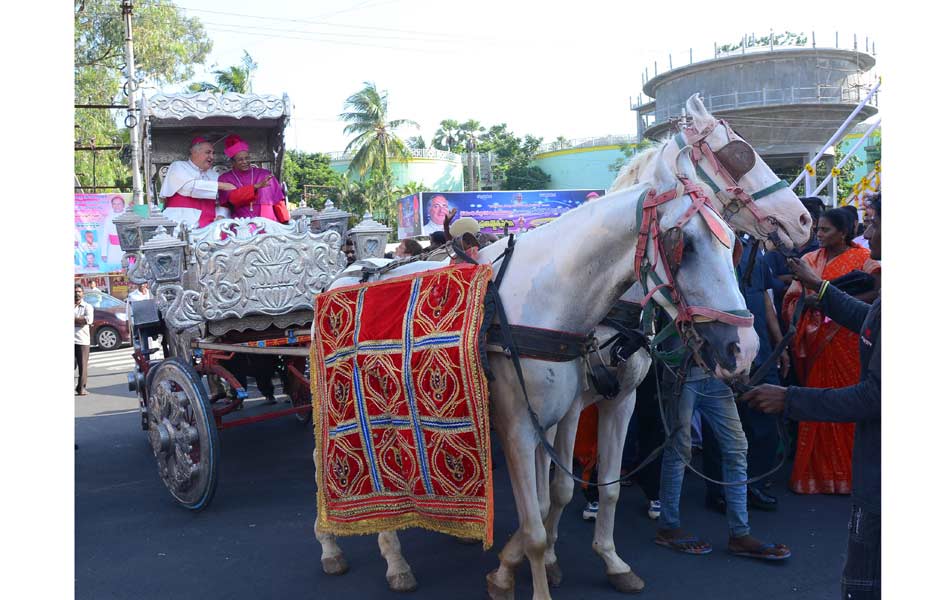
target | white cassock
x=109, y=247
x=184, y=178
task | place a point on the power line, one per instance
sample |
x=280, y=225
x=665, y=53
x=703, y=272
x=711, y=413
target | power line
x=321, y=33
x=325, y=41
x=447, y=36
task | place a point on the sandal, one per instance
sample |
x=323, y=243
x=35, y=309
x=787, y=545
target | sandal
x=687, y=545
x=765, y=552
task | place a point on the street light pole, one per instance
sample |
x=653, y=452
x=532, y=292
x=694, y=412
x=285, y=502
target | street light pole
x=131, y=121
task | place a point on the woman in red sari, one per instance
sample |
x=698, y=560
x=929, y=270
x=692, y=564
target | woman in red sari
x=826, y=356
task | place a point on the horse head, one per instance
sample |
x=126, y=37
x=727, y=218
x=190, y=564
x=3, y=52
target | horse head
x=753, y=197
x=691, y=272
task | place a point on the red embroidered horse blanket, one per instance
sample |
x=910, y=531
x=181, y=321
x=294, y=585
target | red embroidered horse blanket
x=401, y=405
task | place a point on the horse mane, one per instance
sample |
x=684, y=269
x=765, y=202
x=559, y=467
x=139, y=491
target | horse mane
x=632, y=172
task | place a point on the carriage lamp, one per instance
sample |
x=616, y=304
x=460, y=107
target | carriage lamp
x=304, y=213
x=165, y=255
x=127, y=226
x=333, y=218
x=150, y=226
x=369, y=237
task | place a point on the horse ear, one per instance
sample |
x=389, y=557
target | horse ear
x=696, y=109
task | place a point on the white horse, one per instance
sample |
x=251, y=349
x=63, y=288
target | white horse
x=565, y=276
x=776, y=210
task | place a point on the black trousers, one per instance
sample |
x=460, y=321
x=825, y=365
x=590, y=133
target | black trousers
x=643, y=435
x=259, y=366
x=861, y=578
x=82, y=363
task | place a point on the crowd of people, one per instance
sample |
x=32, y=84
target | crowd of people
x=826, y=383
x=824, y=389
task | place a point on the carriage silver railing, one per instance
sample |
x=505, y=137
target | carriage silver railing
x=242, y=268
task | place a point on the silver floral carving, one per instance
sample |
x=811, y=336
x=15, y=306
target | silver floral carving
x=172, y=435
x=206, y=104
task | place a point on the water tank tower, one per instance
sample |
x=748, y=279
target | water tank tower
x=787, y=101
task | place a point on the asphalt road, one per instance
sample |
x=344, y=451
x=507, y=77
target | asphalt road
x=256, y=539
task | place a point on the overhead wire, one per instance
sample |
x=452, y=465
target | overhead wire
x=224, y=29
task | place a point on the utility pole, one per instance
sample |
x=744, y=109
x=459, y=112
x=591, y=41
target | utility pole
x=131, y=121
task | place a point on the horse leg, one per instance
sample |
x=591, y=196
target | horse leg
x=520, y=443
x=542, y=466
x=562, y=488
x=332, y=559
x=398, y=572
x=614, y=417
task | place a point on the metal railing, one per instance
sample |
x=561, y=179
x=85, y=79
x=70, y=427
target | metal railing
x=815, y=40
x=413, y=152
x=590, y=142
x=766, y=97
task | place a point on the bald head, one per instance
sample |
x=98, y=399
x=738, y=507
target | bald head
x=202, y=155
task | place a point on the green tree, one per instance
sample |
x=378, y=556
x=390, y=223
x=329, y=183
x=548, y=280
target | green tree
x=561, y=142
x=375, y=141
x=448, y=136
x=471, y=132
x=98, y=74
x=309, y=169
x=846, y=179
x=513, y=157
x=416, y=142
x=236, y=78
x=628, y=150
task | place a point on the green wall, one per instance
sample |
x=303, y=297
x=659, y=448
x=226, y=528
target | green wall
x=438, y=175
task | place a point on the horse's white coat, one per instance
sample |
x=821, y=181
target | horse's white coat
x=614, y=415
x=566, y=276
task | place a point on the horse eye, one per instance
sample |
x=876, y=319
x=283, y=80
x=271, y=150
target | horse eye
x=688, y=245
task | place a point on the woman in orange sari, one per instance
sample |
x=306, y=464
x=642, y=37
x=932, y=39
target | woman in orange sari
x=826, y=356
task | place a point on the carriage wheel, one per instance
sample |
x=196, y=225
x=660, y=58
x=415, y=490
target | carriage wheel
x=182, y=433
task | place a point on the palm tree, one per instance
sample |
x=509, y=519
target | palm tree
x=416, y=142
x=236, y=78
x=447, y=136
x=471, y=132
x=561, y=142
x=375, y=140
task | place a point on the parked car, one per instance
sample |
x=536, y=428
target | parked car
x=110, y=325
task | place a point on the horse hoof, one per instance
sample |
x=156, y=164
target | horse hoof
x=402, y=582
x=496, y=592
x=626, y=583
x=554, y=574
x=335, y=565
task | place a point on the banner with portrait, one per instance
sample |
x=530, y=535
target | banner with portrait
x=410, y=224
x=518, y=211
x=96, y=241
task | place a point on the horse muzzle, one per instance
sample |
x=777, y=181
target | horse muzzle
x=728, y=350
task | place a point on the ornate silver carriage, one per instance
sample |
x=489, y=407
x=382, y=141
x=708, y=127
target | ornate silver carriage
x=231, y=299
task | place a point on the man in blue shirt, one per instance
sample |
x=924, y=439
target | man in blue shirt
x=860, y=403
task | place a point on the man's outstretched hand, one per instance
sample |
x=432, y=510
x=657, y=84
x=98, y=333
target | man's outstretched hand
x=804, y=273
x=766, y=398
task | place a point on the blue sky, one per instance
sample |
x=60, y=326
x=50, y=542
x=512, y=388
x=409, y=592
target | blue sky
x=546, y=68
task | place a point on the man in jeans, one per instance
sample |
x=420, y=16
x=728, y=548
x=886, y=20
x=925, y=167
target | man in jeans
x=861, y=403
x=715, y=402
x=82, y=319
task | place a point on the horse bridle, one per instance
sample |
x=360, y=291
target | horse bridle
x=668, y=249
x=731, y=162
